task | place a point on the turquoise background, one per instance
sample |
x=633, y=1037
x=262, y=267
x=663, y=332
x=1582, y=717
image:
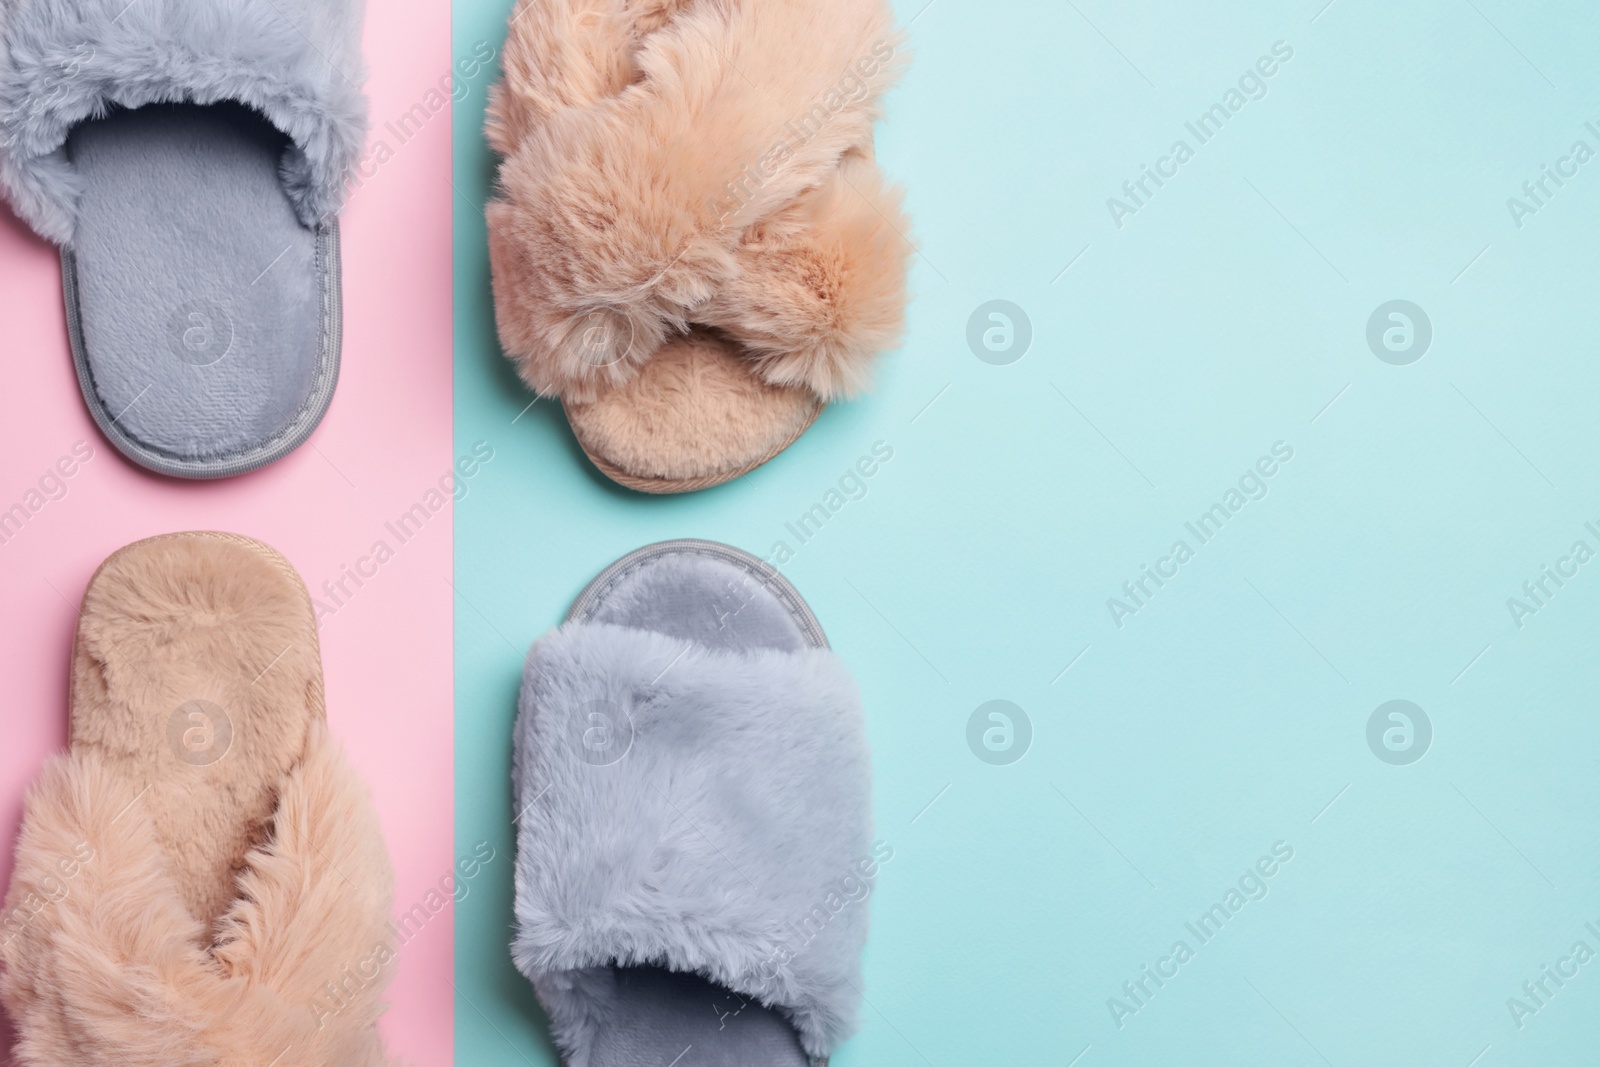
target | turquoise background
x=1231, y=711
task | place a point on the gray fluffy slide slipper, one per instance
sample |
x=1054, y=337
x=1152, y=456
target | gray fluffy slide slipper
x=189, y=158
x=694, y=842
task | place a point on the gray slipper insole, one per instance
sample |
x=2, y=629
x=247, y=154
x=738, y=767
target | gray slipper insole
x=725, y=599
x=204, y=316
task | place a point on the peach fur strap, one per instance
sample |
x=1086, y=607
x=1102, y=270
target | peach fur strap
x=104, y=964
x=683, y=164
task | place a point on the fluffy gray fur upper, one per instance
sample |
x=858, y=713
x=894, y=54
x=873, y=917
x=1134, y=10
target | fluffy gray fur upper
x=298, y=62
x=725, y=842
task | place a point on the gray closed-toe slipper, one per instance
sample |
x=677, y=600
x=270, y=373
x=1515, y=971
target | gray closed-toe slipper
x=189, y=157
x=694, y=842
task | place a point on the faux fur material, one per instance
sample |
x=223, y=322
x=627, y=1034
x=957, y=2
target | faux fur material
x=297, y=62
x=678, y=163
x=716, y=845
x=820, y=285
x=104, y=964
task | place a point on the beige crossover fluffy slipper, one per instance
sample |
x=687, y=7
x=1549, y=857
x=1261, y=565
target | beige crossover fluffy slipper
x=200, y=880
x=692, y=246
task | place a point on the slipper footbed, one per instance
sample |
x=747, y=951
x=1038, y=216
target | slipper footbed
x=196, y=676
x=202, y=304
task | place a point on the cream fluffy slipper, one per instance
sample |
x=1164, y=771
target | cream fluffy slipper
x=200, y=879
x=692, y=246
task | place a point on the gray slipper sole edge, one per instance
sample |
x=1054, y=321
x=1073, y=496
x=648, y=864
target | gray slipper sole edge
x=588, y=601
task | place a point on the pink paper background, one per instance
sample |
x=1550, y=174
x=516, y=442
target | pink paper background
x=385, y=442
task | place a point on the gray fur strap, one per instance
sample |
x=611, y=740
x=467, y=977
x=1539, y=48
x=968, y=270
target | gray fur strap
x=702, y=810
x=298, y=62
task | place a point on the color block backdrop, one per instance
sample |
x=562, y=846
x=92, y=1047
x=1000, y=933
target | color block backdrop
x=382, y=450
x=1286, y=414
